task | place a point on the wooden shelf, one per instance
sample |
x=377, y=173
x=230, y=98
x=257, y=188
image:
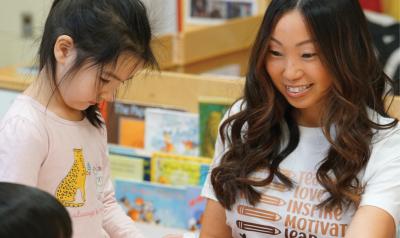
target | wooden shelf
x=166, y=88
x=204, y=42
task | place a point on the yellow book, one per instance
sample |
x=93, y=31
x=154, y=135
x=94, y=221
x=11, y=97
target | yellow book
x=179, y=169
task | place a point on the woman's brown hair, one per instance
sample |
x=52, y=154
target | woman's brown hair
x=264, y=132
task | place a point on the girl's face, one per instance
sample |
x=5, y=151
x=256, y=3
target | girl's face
x=88, y=87
x=296, y=69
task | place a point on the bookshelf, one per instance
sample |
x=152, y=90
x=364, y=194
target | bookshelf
x=171, y=89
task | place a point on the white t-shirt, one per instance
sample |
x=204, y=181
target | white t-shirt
x=293, y=213
x=68, y=159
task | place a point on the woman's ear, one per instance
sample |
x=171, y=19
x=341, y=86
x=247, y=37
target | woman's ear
x=64, y=49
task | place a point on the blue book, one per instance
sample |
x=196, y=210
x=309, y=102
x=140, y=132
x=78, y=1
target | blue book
x=172, y=132
x=170, y=206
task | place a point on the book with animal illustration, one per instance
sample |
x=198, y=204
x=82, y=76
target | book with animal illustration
x=177, y=169
x=172, y=132
x=129, y=163
x=211, y=112
x=171, y=206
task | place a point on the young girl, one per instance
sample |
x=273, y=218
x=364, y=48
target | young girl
x=309, y=151
x=53, y=136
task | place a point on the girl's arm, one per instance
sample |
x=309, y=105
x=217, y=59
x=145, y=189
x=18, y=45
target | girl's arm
x=214, y=221
x=371, y=222
x=23, y=150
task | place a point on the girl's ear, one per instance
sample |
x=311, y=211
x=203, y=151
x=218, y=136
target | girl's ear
x=63, y=48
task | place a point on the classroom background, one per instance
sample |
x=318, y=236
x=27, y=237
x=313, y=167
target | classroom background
x=162, y=129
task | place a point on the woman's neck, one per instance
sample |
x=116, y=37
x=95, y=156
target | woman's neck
x=42, y=91
x=309, y=117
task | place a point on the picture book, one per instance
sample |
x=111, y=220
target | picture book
x=171, y=131
x=131, y=157
x=125, y=123
x=124, y=167
x=211, y=112
x=171, y=206
x=179, y=169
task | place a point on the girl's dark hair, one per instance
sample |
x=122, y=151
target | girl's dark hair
x=256, y=136
x=29, y=212
x=101, y=30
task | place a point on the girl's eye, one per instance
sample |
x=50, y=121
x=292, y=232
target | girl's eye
x=275, y=53
x=104, y=80
x=308, y=55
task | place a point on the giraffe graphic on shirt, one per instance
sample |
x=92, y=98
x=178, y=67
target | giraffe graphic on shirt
x=75, y=180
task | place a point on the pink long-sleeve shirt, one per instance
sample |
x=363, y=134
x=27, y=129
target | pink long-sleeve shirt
x=68, y=159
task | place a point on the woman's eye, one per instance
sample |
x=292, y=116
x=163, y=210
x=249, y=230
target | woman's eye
x=275, y=53
x=308, y=55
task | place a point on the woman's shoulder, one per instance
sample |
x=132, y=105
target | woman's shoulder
x=387, y=132
x=386, y=142
x=236, y=107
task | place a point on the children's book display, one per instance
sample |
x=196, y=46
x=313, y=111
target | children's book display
x=171, y=206
x=171, y=131
x=161, y=183
x=211, y=112
x=179, y=169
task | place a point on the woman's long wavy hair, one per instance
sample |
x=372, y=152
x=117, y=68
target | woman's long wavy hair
x=254, y=136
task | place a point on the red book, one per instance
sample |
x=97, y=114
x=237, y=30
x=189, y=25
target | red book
x=373, y=5
x=180, y=16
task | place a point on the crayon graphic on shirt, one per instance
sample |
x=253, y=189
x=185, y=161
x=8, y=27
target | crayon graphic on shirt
x=248, y=226
x=258, y=213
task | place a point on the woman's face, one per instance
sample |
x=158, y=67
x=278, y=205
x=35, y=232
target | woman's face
x=296, y=69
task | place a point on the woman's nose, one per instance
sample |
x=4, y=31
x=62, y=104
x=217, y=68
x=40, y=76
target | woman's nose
x=292, y=71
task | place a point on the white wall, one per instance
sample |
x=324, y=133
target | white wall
x=16, y=50
x=13, y=48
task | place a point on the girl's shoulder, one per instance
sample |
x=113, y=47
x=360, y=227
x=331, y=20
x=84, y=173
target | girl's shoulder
x=24, y=109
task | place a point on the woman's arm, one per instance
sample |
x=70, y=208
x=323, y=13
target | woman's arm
x=371, y=222
x=214, y=221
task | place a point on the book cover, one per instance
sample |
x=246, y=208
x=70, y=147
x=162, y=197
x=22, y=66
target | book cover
x=171, y=206
x=125, y=123
x=172, y=132
x=179, y=169
x=211, y=112
x=124, y=167
x=133, y=154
